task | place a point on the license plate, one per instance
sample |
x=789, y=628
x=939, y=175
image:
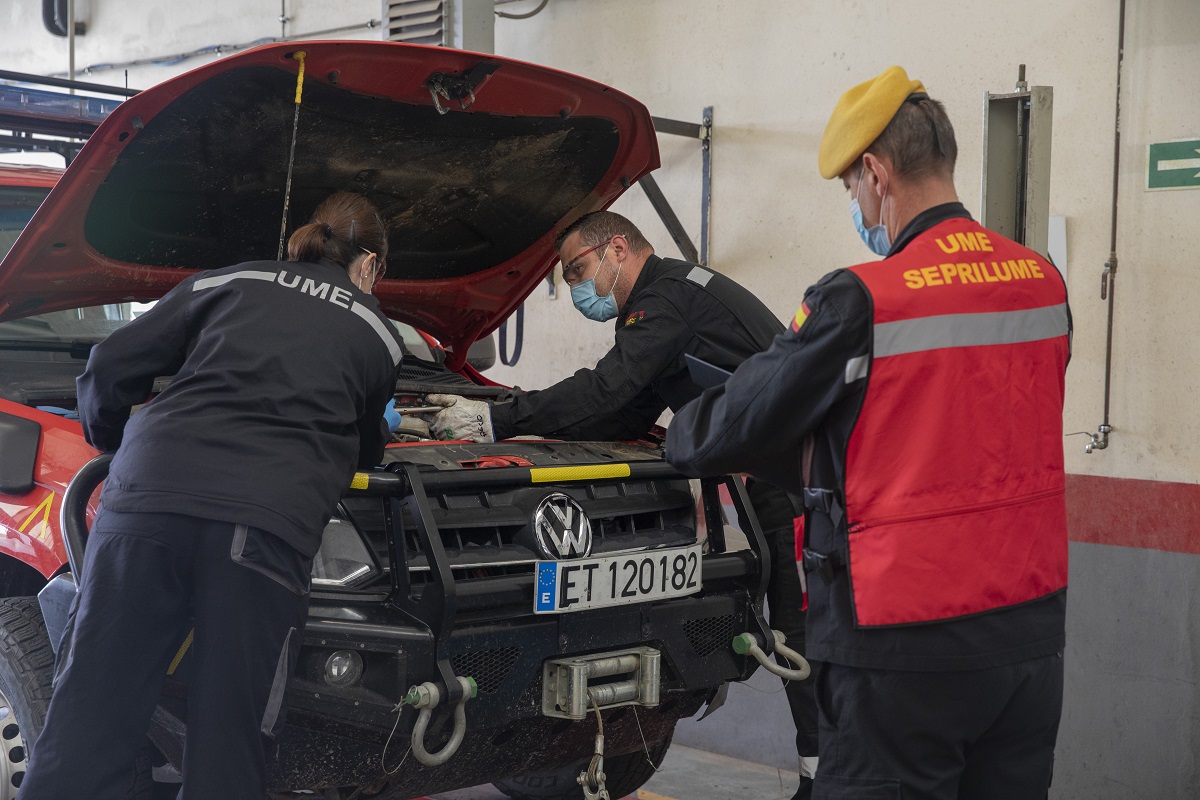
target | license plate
x=583, y=583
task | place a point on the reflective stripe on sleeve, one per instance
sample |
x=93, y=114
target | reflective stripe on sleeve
x=221, y=280
x=856, y=368
x=372, y=319
x=969, y=330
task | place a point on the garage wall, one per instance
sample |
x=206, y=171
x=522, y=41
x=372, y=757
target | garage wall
x=773, y=70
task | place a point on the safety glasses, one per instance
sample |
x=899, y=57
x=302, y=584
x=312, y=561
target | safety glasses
x=380, y=268
x=574, y=268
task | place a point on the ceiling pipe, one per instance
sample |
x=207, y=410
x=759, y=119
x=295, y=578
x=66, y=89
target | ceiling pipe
x=222, y=49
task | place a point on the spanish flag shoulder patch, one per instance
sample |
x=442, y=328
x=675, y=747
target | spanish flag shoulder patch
x=801, y=315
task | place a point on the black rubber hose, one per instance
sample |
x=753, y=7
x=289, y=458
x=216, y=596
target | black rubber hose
x=526, y=15
x=54, y=16
x=73, y=514
x=505, y=358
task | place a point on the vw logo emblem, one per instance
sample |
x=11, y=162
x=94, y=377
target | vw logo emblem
x=561, y=528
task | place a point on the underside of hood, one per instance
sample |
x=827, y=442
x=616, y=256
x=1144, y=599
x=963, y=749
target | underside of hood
x=190, y=175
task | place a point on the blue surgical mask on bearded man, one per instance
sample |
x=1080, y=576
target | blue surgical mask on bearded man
x=592, y=305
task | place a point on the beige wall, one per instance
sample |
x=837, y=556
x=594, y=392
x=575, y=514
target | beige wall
x=773, y=69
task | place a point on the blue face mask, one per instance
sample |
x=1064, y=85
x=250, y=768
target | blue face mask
x=592, y=305
x=876, y=237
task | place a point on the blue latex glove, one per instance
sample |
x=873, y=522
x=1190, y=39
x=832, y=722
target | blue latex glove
x=392, y=416
x=62, y=412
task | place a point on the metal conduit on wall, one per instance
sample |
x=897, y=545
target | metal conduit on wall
x=1108, y=279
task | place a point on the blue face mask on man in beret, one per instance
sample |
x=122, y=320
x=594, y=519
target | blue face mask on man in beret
x=876, y=237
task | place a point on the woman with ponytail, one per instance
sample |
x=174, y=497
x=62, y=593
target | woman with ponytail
x=344, y=230
x=215, y=503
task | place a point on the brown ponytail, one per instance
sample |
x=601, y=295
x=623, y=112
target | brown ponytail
x=342, y=223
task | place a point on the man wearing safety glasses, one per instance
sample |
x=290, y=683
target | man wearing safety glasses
x=664, y=309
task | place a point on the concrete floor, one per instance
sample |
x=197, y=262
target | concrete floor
x=689, y=774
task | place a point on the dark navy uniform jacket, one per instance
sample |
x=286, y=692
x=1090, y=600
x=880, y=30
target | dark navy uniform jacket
x=282, y=372
x=674, y=308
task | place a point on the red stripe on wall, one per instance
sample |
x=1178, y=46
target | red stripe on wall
x=1154, y=515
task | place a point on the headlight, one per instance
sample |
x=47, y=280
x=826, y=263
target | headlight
x=344, y=557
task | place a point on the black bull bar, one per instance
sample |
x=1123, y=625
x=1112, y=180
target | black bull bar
x=443, y=597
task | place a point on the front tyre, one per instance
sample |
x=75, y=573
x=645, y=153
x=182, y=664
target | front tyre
x=26, y=683
x=624, y=775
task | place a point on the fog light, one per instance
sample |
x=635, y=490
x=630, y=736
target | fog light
x=343, y=668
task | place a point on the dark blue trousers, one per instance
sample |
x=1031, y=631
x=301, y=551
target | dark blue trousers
x=148, y=579
x=984, y=734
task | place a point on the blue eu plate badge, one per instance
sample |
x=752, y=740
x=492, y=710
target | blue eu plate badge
x=547, y=586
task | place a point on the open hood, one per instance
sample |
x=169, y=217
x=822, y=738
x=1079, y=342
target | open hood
x=190, y=175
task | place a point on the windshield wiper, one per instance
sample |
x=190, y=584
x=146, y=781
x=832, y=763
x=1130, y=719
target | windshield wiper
x=77, y=348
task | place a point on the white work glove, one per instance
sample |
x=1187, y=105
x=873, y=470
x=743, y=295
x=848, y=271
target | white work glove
x=461, y=419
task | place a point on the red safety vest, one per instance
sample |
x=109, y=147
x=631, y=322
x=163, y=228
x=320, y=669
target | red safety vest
x=954, y=472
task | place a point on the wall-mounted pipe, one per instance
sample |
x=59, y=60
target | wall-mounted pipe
x=55, y=16
x=71, y=41
x=1108, y=278
x=221, y=49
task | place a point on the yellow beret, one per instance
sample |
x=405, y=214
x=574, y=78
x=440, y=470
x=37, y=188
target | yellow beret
x=860, y=116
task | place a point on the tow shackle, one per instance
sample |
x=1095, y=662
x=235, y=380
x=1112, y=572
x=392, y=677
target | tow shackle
x=748, y=644
x=426, y=698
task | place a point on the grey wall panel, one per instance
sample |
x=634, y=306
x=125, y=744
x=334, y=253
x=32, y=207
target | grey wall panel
x=1131, y=725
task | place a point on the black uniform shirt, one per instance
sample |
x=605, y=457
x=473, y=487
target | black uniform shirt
x=674, y=308
x=800, y=389
x=282, y=372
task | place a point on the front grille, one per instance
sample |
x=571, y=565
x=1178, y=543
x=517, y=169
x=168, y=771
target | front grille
x=489, y=532
x=416, y=370
x=487, y=667
x=710, y=634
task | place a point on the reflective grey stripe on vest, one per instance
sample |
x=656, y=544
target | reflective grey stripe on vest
x=700, y=276
x=969, y=330
x=372, y=319
x=221, y=280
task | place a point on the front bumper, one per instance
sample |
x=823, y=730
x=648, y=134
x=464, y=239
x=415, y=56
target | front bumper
x=336, y=737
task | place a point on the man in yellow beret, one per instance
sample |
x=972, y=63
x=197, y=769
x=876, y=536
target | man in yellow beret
x=916, y=403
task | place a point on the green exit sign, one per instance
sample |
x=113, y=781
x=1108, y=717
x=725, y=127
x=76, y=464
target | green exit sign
x=1174, y=165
